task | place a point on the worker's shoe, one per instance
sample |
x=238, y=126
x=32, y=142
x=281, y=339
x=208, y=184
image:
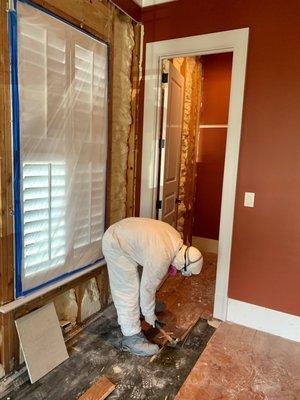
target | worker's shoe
x=137, y=344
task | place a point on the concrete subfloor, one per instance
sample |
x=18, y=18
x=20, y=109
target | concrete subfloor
x=94, y=353
x=244, y=364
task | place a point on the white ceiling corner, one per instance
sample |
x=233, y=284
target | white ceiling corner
x=146, y=3
x=139, y=2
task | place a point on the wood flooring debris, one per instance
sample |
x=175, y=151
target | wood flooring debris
x=215, y=323
x=245, y=364
x=99, y=391
x=42, y=341
x=187, y=299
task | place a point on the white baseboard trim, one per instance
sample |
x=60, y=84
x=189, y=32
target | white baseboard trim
x=204, y=244
x=264, y=319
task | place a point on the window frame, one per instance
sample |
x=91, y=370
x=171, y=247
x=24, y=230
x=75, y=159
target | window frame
x=16, y=140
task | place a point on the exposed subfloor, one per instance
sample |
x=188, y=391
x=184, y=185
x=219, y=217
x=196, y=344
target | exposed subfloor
x=94, y=353
x=245, y=364
x=187, y=299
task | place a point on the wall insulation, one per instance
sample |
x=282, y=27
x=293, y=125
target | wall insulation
x=190, y=68
x=121, y=113
x=66, y=306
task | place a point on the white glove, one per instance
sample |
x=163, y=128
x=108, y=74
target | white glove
x=150, y=319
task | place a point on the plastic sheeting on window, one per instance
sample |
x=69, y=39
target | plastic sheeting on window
x=60, y=99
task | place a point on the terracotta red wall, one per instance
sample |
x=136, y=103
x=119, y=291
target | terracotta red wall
x=216, y=73
x=131, y=8
x=265, y=263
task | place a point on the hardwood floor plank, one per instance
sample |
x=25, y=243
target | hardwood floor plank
x=99, y=391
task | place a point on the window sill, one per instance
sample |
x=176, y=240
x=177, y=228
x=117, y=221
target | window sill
x=54, y=289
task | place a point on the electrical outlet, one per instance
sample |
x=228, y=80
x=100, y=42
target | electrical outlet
x=249, y=199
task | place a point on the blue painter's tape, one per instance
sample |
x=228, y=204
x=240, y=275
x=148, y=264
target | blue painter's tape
x=59, y=278
x=13, y=33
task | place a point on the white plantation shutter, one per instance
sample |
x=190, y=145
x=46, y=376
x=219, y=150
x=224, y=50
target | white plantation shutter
x=63, y=136
x=44, y=216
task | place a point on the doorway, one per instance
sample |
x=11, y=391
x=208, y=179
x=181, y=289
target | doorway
x=211, y=150
x=234, y=41
x=196, y=94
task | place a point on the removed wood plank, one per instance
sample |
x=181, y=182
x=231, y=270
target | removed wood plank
x=99, y=391
x=42, y=341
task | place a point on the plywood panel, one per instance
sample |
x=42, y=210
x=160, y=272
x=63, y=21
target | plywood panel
x=41, y=341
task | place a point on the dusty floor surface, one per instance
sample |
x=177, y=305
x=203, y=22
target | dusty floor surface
x=244, y=364
x=94, y=352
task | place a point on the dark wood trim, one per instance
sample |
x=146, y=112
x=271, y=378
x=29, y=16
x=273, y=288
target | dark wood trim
x=132, y=141
x=6, y=205
x=94, y=17
x=10, y=347
x=109, y=125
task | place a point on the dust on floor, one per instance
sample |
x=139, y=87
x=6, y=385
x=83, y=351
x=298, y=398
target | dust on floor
x=95, y=352
x=245, y=364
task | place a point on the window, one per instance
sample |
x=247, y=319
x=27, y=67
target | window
x=60, y=146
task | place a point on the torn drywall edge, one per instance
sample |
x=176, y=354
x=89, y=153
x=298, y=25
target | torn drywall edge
x=66, y=306
x=91, y=302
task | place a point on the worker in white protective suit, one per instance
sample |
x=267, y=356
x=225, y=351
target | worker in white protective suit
x=155, y=246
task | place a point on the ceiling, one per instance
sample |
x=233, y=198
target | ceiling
x=145, y=3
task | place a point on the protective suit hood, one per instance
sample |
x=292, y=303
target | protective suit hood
x=188, y=260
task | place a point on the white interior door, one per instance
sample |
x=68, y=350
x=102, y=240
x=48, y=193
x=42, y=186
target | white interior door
x=171, y=139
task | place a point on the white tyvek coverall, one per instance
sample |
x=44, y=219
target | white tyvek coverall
x=153, y=245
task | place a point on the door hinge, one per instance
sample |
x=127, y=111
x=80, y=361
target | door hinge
x=159, y=204
x=161, y=143
x=164, y=77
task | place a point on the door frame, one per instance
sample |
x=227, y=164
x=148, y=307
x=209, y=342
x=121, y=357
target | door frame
x=235, y=41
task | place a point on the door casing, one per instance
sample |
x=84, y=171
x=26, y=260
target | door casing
x=235, y=41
